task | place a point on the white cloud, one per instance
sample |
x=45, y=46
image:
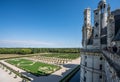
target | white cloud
x=33, y=43
x=24, y=43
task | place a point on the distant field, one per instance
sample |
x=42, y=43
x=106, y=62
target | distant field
x=4, y=56
x=36, y=68
x=8, y=56
x=57, y=55
x=63, y=55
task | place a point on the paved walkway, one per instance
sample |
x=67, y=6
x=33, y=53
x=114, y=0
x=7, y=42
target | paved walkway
x=5, y=77
x=54, y=77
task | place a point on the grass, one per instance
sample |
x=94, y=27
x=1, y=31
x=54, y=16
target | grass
x=36, y=68
x=63, y=55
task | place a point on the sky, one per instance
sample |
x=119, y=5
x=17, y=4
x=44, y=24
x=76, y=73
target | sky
x=44, y=23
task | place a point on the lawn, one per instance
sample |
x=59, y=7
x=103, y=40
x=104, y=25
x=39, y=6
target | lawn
x=36, y=68
x=63, y=55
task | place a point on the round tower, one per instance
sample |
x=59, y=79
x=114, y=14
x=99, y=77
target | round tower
x=102, y=6
x=100, y=25
x=97, y=29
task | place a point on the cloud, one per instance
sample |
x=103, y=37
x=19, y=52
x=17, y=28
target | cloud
x=33, y=43
x=24, y=43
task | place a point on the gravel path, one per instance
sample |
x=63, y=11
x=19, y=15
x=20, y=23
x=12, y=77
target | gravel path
x=5, y=77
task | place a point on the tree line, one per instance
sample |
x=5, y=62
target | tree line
x=38, y=50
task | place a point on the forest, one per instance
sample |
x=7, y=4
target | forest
x=24, y=51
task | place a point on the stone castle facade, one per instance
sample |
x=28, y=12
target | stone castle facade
x=100, y=56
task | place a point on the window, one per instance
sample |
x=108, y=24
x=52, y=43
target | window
x=85, y=71
x=101, y=58
x=96, y=13
x=86, y=64
x=96, y=24
x=85, y=57
x=96, y=35
x=104, y=5
x=100, y=76
x=100, y=66
x=84, y=79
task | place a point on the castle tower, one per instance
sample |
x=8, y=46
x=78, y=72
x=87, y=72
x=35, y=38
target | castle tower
x=97, y=28
x=98, y=63
x=102, y=6
x=100, y=25
x=86, y=30
x=92, y=62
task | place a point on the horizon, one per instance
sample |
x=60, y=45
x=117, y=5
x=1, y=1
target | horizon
x=44, y=24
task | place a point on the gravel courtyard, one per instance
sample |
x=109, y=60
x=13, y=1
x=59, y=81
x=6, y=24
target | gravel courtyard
x=5, y=77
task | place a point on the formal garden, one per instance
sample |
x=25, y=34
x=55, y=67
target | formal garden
x=36, y=68
x=35, y=61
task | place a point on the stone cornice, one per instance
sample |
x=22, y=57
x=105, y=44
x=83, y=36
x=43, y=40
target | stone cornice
x=91, y=50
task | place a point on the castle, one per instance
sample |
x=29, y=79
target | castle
x=100, y=56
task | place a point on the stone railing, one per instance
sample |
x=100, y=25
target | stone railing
x=113, y=59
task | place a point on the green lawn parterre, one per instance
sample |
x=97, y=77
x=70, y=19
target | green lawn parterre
x=36, y=68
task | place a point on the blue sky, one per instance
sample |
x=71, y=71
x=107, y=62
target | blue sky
x=44, y=23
